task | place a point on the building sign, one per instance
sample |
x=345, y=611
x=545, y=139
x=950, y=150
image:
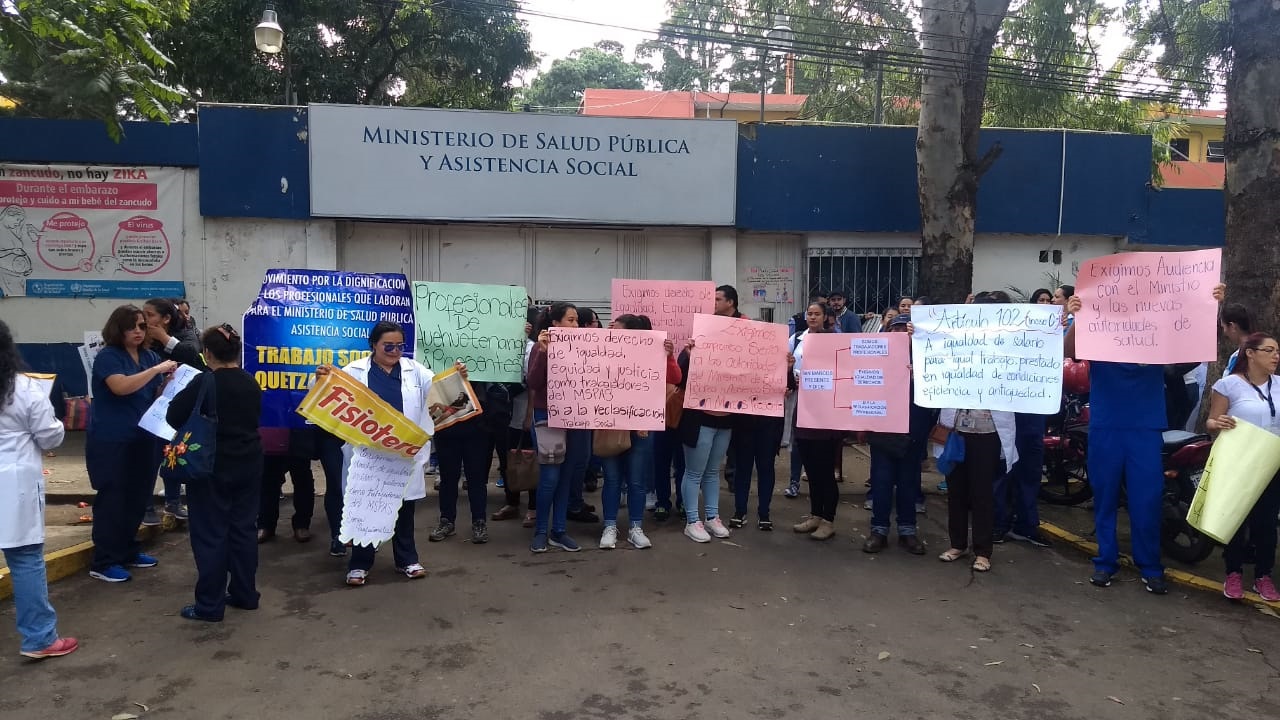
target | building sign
x=426, y=164
x=91, y=231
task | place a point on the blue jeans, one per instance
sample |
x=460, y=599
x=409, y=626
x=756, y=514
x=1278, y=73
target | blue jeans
x=629, y=469
x=575, y=467
x=1018, y=492
x=702, y=471
x=797, y=463
x=894, y=484
x=1131, y=456
x=756, y=447
x=37, y=622
x=667, y=452
x=553, y=483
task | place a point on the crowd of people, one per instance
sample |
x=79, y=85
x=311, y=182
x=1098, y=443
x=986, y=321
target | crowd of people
x=991, y=487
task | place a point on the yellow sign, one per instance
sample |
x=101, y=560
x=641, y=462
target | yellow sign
x=1241, y=465
x=342, y=406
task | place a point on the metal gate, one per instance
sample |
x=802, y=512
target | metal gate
x=872, y=279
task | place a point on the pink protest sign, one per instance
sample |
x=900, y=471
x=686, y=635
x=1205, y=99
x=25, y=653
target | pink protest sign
x=669, y=304
x=1149, y=307
x=857, y=381
x=606, y=379
x=737, y=366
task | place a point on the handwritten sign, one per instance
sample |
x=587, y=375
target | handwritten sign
x=988, y=357
x=669, y=304
x=871, y=381
x=153, y=420
x=375, y=487
x=606, y=379
x=481, y=325
x=1149, y=307
x=737, y=366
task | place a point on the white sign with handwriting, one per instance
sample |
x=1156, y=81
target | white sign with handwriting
x=375, y=486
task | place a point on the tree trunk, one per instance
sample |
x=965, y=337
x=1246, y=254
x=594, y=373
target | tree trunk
x=957, y=37
x=1251, y=258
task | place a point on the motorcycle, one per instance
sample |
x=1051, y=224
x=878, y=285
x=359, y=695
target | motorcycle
x=1066, y=450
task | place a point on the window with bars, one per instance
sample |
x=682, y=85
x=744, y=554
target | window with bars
x=872, y=279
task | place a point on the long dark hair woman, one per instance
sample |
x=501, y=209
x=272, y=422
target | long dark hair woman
x=224, y=510
x=121, y=457
x=27, y=427
x=168, y=336
x=818, y=448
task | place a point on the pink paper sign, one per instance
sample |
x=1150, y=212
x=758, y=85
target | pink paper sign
x=1149, y=307
x=737, y=366
x=669, y=304
x=606, y=379
x=856, y=381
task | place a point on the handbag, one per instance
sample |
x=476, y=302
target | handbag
x=675, y=407
x=189, y=455
x=939, y=434
x=551, y=443
x=608, y=443
x=522, y=468
x=76, y=415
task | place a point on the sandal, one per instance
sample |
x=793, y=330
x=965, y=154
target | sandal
x=506, y=512
x=952, y=555
x=413, y=571
x=981, y=564
x=356, y=578
x=530, y=519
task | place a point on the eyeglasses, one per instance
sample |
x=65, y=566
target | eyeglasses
x=394, y=347
x=1267, y=350
x=140, y=326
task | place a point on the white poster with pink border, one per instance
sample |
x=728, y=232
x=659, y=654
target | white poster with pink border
x=91, y=231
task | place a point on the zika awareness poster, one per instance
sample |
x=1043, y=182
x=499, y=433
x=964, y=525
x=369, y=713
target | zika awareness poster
x=1149, y=307
x=306, y=318
x=988, y=357
x=91, y=231
x=669, y=304
x=601, y=379
x=855, y=382
x=480, y=325
x=737, y=366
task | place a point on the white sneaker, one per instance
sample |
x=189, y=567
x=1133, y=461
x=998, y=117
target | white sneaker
x=637, y=538
x=651, y=500
x=696, y=532
x=717, y=528
x=609, y=538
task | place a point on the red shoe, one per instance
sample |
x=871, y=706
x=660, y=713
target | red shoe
x=60, y=647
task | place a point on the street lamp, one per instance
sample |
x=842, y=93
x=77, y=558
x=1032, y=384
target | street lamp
x=268, y=35
x=779, y=38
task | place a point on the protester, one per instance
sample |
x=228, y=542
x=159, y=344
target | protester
x=329, y=448
x=1041, y=297
x=814, y=321
x=1247, y=394
x=797, y=323
x=1063, y=293
x=187, y=330
x=295, y=460
x=846, y=321
x=1236, y=324
x=886, y=320
x=705, y=437
x=403, y=384
x=1017, y=492
x=554, y=478
x=27, y=427
x=121, y=457
x=224, y=509
x=518, y=436
x=467, y=448
x=904, y=305
x=818, y=448
x=168, y=337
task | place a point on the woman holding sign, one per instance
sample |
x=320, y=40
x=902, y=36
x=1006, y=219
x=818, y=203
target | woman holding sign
x=1247, y=394
x=818, y=448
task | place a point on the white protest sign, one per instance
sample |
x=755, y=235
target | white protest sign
x=375, y=486
x=988, y=357
x=153, y=420
x=89, y=353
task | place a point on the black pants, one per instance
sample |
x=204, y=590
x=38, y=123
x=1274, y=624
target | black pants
x=466, y=447
x=330, y=447
x=223, y=541
x=758, y=439
x=517, y=438
x=304, y=491
x=404, y=551
x=123, y=474
x=971, y=493
x=1260, y=529
x=819, y=458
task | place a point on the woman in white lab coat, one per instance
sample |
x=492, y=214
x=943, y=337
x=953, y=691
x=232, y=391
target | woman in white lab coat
x=27, y=426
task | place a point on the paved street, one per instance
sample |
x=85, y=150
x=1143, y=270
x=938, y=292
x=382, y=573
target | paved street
x=763, y=626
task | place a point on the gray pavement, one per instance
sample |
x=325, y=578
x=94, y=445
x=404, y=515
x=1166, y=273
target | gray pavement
x=766, y=625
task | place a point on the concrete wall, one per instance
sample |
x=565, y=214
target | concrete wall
x=1001, y=261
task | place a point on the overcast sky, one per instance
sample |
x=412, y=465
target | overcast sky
x=556, y=38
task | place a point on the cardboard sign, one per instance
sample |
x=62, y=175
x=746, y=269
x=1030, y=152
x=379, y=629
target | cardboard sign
x=480, y=325
x=606, y=379
x=342, y=406
x=737, y=366
x=669, y=304
x=988, y=357
x=375, y=484
x=1149, y=307
x=855, y=382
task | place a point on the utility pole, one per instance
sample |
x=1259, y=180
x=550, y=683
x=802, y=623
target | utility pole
x=878, y=118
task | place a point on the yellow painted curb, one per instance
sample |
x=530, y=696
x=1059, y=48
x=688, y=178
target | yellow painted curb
x=58, y=565
x=1178, y=576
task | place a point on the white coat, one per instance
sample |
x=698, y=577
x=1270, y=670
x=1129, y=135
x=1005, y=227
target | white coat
x=415, y=381
x=27, y=427
x=1006, y=429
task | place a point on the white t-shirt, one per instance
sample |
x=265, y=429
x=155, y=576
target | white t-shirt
x=1249, y=402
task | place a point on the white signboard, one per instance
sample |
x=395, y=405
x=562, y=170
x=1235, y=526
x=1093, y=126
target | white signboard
x=153, y=420
x=375, y=486
x=91, y=231
x=427, y=164
x=988, y=357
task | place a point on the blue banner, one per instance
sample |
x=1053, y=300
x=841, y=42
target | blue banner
x=306, y=318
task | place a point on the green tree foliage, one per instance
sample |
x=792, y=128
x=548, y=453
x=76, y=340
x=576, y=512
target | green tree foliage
x=1184, y=42
x=87, y=58
x=599, y=66
x=441, y=53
